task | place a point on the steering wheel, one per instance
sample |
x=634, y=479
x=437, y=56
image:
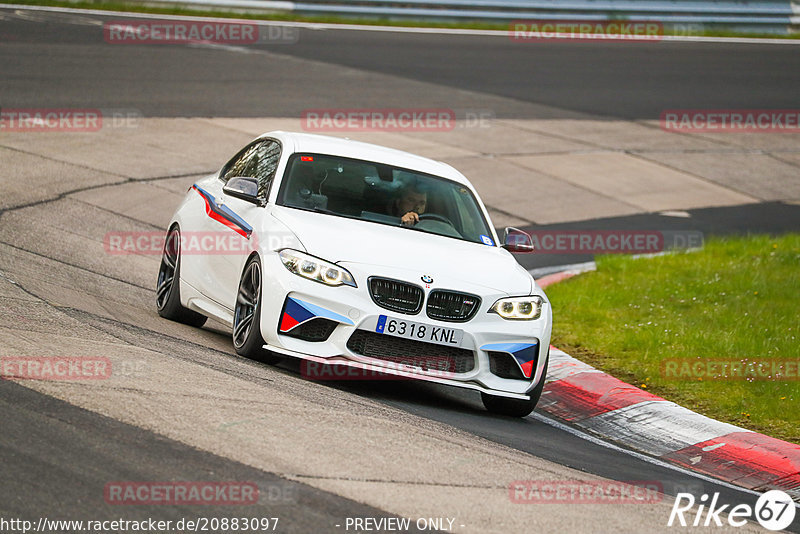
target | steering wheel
x=435, y=217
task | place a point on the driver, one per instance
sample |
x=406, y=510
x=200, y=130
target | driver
x=409, y=204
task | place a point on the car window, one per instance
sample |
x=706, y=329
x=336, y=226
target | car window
x=468, y=213
x=383, y=194
x=258, y=160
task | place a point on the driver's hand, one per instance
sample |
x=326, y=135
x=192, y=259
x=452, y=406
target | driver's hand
x=410, y=218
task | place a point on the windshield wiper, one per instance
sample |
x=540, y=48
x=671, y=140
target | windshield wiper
x=316, y=209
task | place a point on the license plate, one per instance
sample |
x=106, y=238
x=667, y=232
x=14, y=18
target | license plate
x=420, y=332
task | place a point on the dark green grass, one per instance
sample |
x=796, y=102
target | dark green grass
x=737, y=299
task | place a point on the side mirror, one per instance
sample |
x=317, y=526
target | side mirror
x=243, y=187
x=515, y=240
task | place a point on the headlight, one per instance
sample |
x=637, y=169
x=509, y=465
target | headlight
x=519, y=308
x=315, y=269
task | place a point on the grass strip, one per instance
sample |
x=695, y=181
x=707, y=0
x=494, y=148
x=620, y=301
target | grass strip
x=665, y=323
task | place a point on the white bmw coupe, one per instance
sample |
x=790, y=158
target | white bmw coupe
x=343, y=253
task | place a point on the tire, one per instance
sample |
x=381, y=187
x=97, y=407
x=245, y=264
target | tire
x=247, y=340
x=516, y=407
x=168, y=287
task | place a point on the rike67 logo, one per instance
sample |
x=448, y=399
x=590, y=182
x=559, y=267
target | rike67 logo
x=774, y=510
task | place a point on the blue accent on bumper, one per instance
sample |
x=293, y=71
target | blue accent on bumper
x=523, y=353
x=306, y=310
x=297, y=311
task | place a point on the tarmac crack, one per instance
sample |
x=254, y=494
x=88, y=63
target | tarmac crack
x=775, y=156
x=393, y=481
x=703, y=179
x=106, y=325
x=45, y=256
x=128, y=217
x=527, y=221
x=50, y=158
x=65, y=194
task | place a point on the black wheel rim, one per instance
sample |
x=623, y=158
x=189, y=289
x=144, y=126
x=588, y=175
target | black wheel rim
x=246, y=303
x=169, y=265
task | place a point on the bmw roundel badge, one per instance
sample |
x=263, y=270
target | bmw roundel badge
x=427, y=279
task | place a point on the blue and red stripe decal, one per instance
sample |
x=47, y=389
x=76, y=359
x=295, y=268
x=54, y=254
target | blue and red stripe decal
x=223, y=214
x=297, y=312
x=524, y=354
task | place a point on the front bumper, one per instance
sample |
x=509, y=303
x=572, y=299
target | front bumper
x=290, y=301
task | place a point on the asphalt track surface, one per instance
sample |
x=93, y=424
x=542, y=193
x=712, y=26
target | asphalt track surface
x=772, y=218
x=68, y=63
x=62, y=60
x=55, y=455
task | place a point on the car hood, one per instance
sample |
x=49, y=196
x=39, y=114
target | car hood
x=350, y=241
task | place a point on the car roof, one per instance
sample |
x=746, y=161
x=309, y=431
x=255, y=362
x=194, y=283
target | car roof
x=324, y=144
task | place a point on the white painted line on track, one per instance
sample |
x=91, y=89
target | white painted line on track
x=658, y=427
x=639, y=456
x=369, y=28
x=571, y=267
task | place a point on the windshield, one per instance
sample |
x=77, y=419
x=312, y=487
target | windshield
x=383, y=194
